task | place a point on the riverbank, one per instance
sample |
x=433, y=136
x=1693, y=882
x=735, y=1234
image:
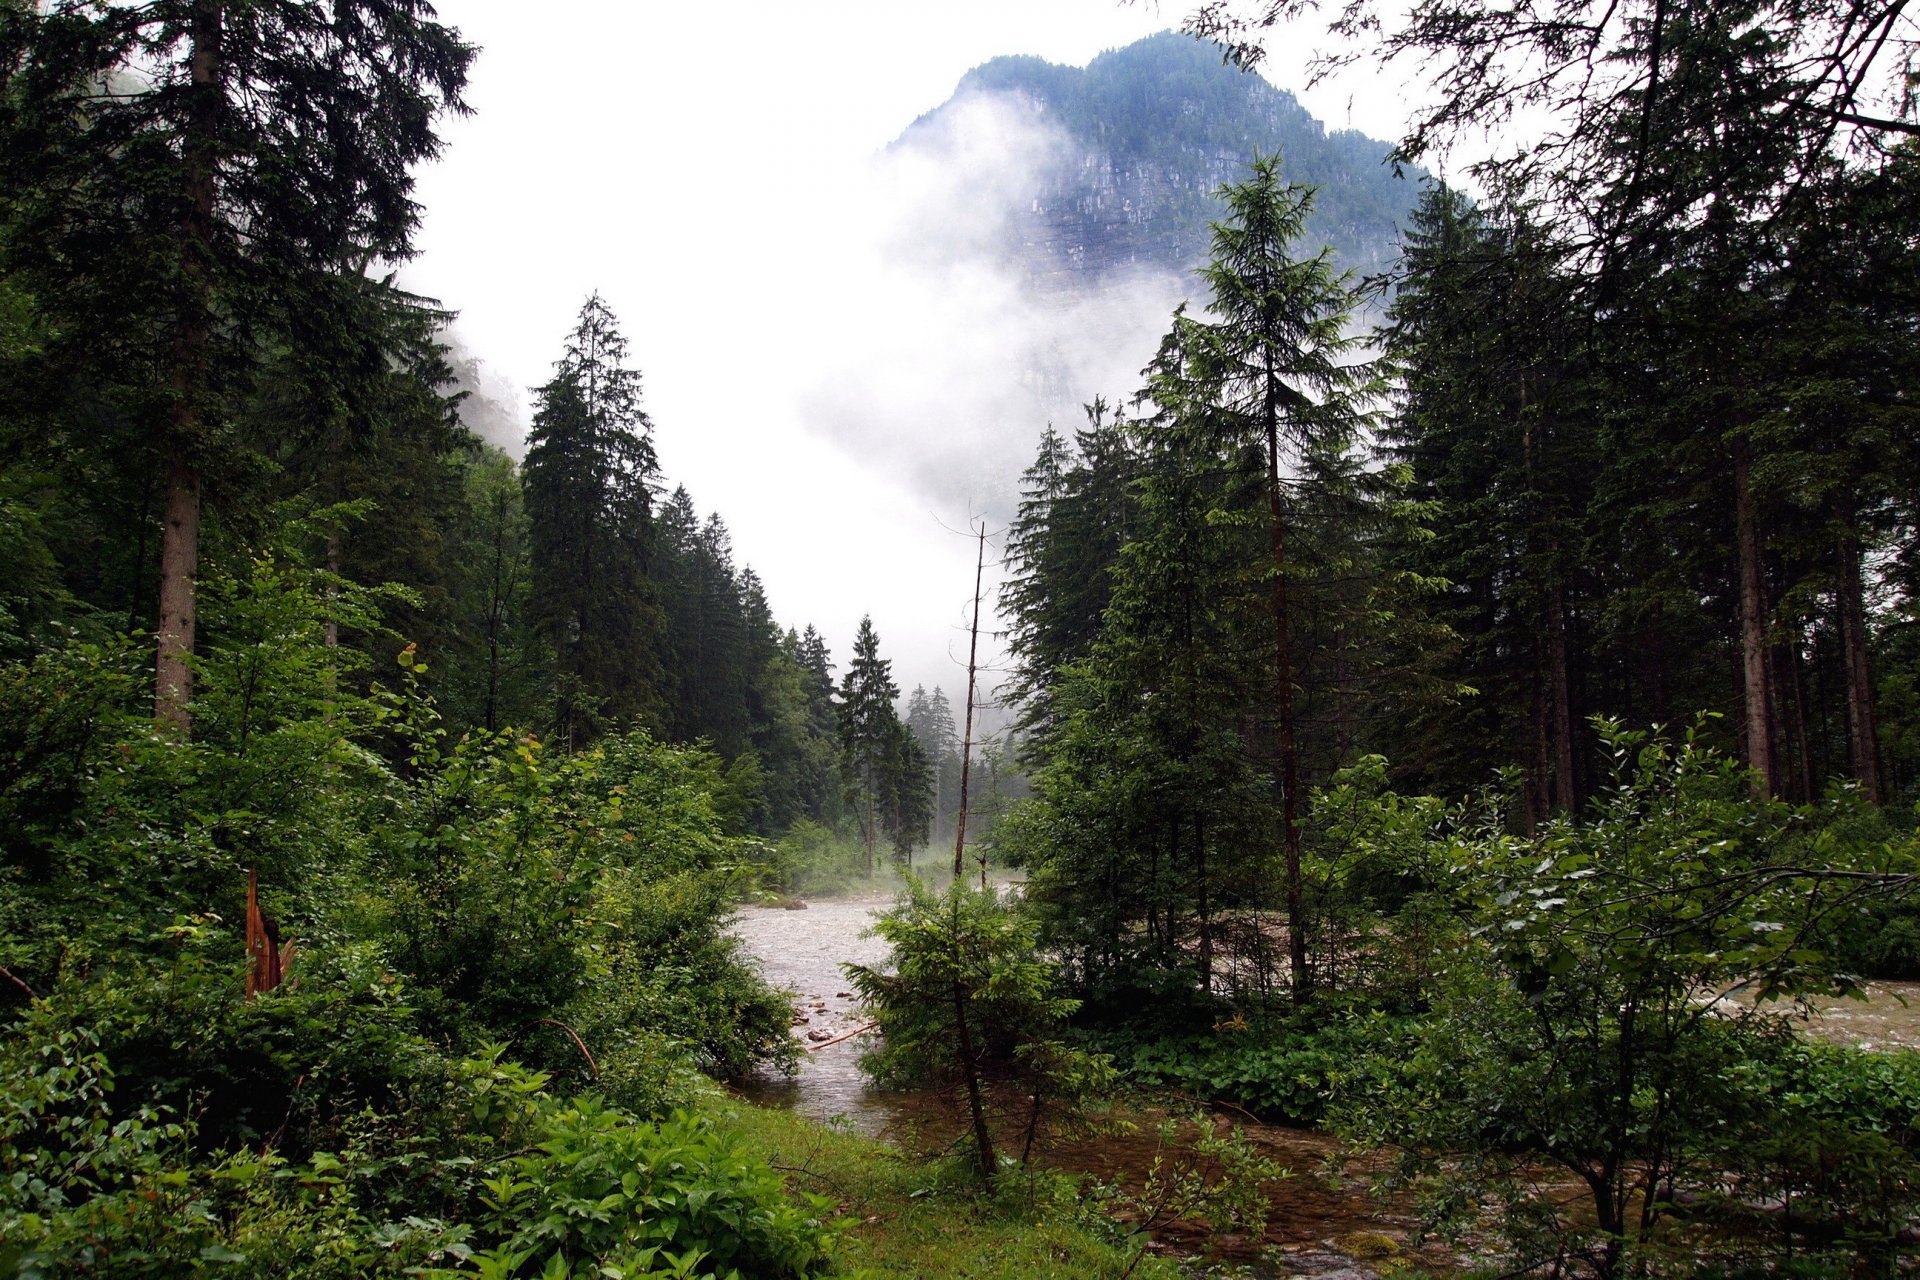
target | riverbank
x=1324, y=1219
x=910, y=1216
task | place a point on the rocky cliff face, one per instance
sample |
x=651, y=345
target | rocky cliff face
x=1144, y=137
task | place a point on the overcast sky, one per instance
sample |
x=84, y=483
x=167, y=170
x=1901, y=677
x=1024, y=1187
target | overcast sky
x=816, y=351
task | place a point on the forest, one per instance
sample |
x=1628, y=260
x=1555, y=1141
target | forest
x=1466, y=720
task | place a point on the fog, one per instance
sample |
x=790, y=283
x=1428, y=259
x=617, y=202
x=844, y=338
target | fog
x=838, y=353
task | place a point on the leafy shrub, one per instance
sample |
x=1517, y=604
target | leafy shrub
x=1837, y=1144
x=664, y=962
x=603, y=1193
x=282, y=1070
x=1587, y=1023
x=965, y=994
x=1286, y=1072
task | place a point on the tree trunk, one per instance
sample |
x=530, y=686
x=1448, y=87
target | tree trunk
x=1539, y=784
x=331, y=632
x=871, y=786
x=1289, y=750
x=179, y=562
x=1204, y=904
x=1755, y=681
x=966, y=742
x=982, y=1140
x=1797, y=755
x=193, y=322
x=1863, y=736
x=1566, y=796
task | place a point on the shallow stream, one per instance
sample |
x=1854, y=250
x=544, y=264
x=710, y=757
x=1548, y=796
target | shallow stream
x=1325, y=1222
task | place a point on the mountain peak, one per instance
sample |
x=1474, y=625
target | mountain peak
x=1152, y=131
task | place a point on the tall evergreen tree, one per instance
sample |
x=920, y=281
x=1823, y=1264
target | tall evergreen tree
x=1497, y=426
x=868, y=737
x=191, y=177
x=1075, y=514
x=590, y=475
x=1275, y=371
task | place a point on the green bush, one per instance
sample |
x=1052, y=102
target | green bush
x=663, y=962
x=1286, y=1072
x=1836, y=1143
x=284, y=1070
x=603, y=1190
x=499, y=1179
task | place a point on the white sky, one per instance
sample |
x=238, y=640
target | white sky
x=711, y=170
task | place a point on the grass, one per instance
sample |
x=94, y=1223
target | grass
x=912, y=1217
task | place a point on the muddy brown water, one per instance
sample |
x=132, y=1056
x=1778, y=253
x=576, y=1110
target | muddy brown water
x=1321, y=1219
x=1325, y=1221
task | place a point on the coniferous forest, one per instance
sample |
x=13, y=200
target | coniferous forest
x=1464, y=751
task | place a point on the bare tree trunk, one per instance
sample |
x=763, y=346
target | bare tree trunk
x=179, y=562
x=1756, y=683
x=982, y=1139
x=180, y=527
x=1566, y=796
x=1204, y=903
x=1539, y=786
x=1792, y=716
x=966, y=741
x=1289, y=750
x=1863, y=734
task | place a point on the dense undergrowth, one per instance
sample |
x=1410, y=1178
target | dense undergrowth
x=1582, y=1041
x=507, y=981
x=508, y=992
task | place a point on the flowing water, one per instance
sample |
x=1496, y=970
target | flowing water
x=1325, y=1222
x=801, y=951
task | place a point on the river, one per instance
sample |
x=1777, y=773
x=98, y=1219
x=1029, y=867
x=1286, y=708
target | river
x=1325, y=1221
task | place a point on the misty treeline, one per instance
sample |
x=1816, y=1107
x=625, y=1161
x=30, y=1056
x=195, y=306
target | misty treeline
x=1436, y=719
x=1633, y=442
x=371, y=806
x=208, y=361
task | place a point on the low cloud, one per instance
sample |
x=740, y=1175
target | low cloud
x=944, y=359
x=493, y=406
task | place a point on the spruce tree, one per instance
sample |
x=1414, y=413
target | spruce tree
x=192, y=177
x=1275, y=371
x=590, y=475
x=867, y=731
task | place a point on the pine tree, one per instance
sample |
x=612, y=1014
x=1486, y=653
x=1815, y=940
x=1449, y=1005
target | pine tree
x=907, y=790
x=1275, y=372
x=821, y=792
x=590, y=474
x=867, y=730
x=1498, y=428
x=1075, y=515
x=237, y=160
x=495, y=657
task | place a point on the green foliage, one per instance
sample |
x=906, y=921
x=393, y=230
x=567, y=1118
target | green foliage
x=589, y=477
x=1221, y=1178
x=599, y=1191
x=664, y=962
x=1837, y=1144
x=1592, y=1024
x=1375, y=920
x=497, y=1173
x=965, y=995
x=1286, y=1072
